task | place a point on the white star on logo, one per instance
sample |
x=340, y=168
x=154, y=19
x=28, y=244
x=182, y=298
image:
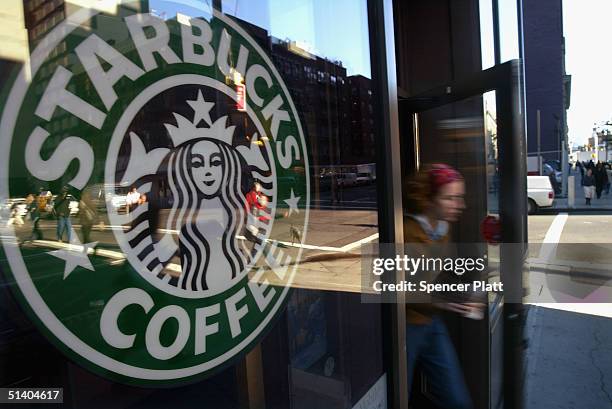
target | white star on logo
x=293, y=203
x=75, y=254
x=201, y=109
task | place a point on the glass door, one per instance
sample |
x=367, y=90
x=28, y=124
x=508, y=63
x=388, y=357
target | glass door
x=475, y=126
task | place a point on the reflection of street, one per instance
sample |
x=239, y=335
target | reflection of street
x=352, y=197
x=330, y=254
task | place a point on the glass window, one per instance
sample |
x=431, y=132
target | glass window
x=508, y=30
x=487, y=37
x=190, y=189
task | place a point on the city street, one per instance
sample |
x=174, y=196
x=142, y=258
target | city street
x=565, y=339
x=603, y=203
x=330, y=254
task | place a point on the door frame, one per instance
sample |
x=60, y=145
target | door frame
x=506, y=80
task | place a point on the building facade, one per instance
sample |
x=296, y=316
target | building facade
x=547, y=84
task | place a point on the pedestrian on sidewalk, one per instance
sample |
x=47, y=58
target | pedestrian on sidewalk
x=601, y=179
x=15, y=216
x=256, y=204
x=609, y=174
x=588, y=185
x=131, y=199
x=62, y=212
x=87, y=214
x=34, y=211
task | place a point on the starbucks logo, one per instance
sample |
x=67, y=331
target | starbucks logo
x=192, y=117
x=202, y=163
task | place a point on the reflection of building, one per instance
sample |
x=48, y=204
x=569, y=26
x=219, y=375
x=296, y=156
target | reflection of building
x=604, y=140
x=42, y=16
x=547, y=85
x=335, y=109
x=14, y=36
x=357, y=148
x=12, y=31
x=318, y=87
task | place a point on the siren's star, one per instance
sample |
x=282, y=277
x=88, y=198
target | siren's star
x=75, y=254
x=293, y=203
x=201, y=109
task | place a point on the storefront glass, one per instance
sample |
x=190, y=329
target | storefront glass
x=487, y=36
x=188, y=190
x=508, y=30
x=463, y=134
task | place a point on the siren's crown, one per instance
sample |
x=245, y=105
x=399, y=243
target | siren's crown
x=187, y=130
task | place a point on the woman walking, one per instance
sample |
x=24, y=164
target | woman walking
x=588, y=185
x=436, y=200
x=34, y=211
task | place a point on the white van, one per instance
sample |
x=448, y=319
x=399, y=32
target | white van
x=346, y=179
x=540, y=193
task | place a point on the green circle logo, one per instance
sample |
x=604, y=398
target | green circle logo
x=190, y=136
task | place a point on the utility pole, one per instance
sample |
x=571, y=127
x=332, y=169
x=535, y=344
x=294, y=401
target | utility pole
x=538, y=139
x=562, y=139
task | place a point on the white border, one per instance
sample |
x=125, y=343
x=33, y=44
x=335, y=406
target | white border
x=7, y=125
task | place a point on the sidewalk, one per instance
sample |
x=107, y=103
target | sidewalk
x=569, y=357
x=604, y=203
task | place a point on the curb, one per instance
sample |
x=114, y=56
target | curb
x=548, y=210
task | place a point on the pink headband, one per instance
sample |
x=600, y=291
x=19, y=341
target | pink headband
x=441, y=174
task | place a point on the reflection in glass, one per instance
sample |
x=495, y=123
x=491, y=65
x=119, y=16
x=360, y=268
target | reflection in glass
x=321, y=50
x=487, y=36
x=324, y=62
x=490, y=129
x=491, y=225
x=330, y=85
x=508, y=30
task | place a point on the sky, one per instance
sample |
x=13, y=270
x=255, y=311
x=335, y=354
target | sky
x=587, y=26
x=337, y=30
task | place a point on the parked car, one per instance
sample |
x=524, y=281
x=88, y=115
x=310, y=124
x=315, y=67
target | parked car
x=555, y=164
x=364, y=178
x=540, y=193
x=556, y=177
x=102, y=199
x=346, y=179
x=547, y=170
x=324, y=181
